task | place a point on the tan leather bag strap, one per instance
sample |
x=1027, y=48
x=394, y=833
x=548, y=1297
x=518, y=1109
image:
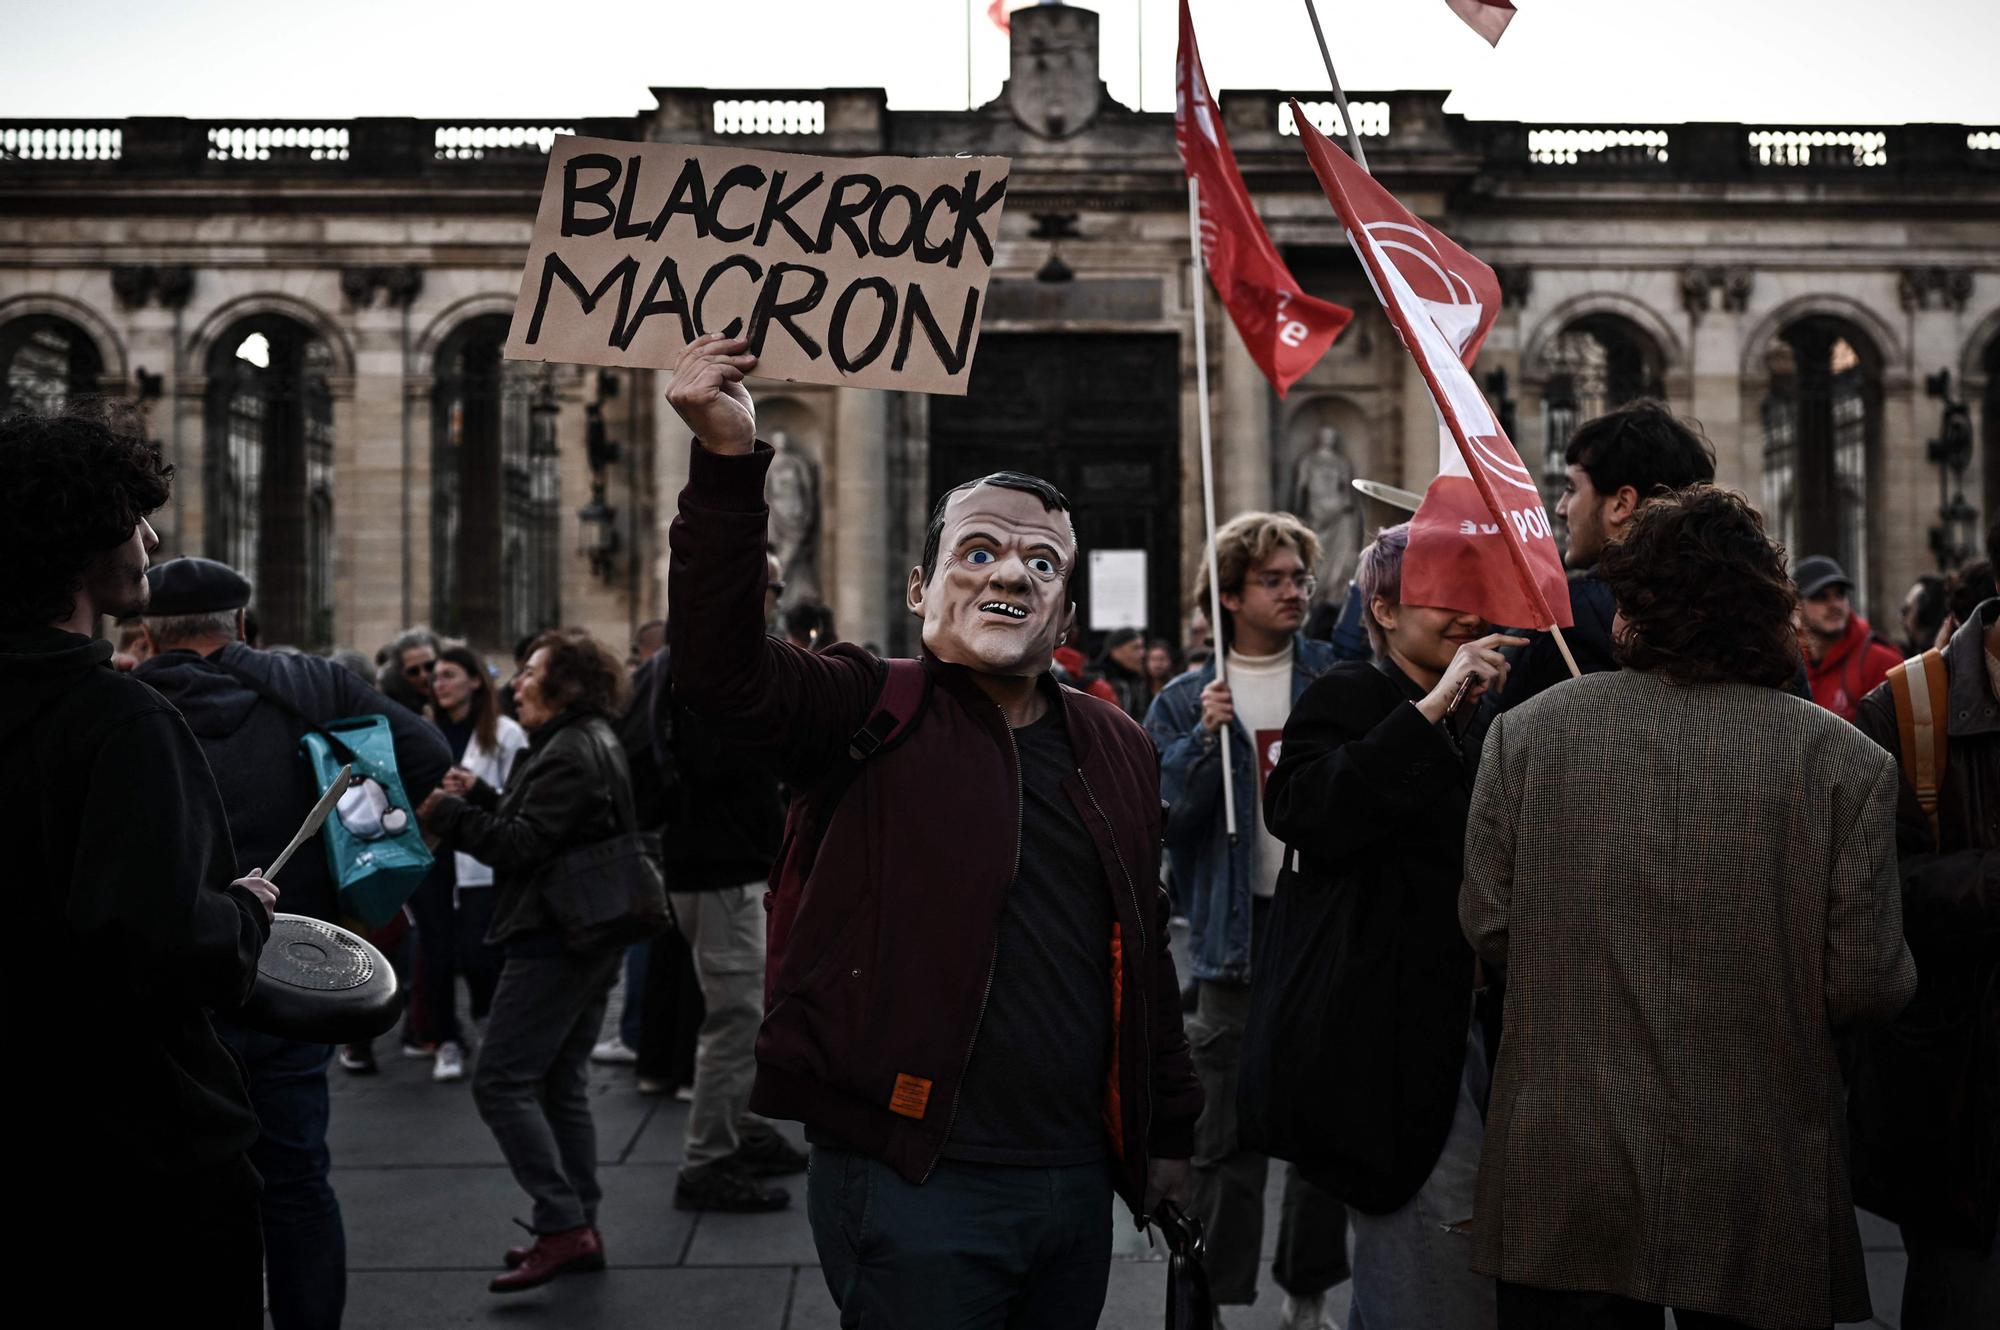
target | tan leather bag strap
x=1920, y=695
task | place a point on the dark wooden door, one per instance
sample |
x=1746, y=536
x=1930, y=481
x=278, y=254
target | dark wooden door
x=1097, y=415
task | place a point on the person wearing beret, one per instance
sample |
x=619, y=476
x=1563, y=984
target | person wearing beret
x=194, y=628
x=127, y=922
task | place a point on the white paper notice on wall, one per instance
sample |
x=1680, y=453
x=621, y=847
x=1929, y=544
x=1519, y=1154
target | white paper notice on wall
x=1117, y=589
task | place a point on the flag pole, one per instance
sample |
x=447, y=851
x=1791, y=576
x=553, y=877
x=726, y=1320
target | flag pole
x=1339, y=97
x=1563, y=647
x=1221, y=644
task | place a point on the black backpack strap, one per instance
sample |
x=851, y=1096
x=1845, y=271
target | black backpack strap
x=906, y=689
x=285, y=704
x=905, y=692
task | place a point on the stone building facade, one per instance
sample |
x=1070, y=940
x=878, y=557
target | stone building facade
x=309, y=315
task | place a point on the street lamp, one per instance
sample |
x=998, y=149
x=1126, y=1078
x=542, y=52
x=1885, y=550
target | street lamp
x=597, y=532
x=1957, y=529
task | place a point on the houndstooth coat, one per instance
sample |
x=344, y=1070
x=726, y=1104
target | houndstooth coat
x=1690, y=887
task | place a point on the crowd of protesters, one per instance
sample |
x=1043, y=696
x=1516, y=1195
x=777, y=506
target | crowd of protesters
x=1564, y=1001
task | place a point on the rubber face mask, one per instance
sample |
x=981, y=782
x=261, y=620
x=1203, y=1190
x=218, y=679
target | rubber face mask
x=998, y=599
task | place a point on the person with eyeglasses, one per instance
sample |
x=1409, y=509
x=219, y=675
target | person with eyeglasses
x=1264, y=561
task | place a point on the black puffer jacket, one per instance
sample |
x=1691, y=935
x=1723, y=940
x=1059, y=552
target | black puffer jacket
x=1924, y=1113
x=123, y=920
x=565, y=792
x=253, y=746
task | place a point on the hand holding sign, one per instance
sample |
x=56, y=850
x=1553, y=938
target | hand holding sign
x=708, y=393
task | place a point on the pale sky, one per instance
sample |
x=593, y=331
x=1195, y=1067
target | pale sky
x=1796, y=61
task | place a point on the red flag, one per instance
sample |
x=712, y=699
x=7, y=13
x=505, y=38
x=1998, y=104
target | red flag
x=1286, y=330
x=997, y=11
x=1488, y=18
x=1442, y=302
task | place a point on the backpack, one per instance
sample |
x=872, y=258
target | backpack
x=1921, y=696
x=906, y=691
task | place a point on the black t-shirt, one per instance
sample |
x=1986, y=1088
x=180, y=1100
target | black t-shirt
x=1034, y=1090
x=458, y=733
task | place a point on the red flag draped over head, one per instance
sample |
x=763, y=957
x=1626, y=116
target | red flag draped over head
x=1481, y=541
x=1285, y=330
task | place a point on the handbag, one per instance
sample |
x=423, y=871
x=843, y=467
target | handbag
x=612, y=893
x=374, y=848
x=1189, y=1306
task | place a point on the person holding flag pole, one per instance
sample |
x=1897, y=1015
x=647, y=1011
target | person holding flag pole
x=1216, y=727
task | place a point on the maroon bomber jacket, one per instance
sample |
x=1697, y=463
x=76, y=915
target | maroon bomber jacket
x=877, y=993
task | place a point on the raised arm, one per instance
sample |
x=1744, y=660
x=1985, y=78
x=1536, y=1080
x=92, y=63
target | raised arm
x=799, y=706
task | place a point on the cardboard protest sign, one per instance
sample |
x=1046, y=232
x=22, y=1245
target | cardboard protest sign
x=864, y=271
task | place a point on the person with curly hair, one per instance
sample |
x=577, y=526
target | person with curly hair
x=531, y=1077
x=129, y=909
x=1690, y=878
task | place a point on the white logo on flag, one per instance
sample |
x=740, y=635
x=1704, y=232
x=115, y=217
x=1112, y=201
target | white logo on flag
x=1443, y=328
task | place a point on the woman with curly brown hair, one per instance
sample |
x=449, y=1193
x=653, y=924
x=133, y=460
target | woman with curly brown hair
x=531, y=1077
x=1690, y=877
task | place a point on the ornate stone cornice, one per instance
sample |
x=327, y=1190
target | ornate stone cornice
x=1706, y=288
x=1934, y=287
x=398, y=286
x=134, y=285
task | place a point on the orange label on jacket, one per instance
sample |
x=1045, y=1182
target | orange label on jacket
x=912, y=1096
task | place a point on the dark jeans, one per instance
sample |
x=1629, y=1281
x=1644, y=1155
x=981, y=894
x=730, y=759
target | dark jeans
x=1525, y=1308
x=632, y=1018
x=478, y=960
x=1949, y=1288
x=437, y=952
x=673, y=1012
x=305, y=1244
x=1228, y=1190
x=124, y=1245
x=977, y=1247
x=532, y=1078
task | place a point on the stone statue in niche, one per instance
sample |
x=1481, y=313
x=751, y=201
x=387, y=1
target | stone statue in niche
x=792, y=489
x=1323, y=498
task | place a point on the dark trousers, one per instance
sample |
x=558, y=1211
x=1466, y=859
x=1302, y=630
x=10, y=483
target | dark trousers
x=305, y=1243
x=532, y=1078
x=124, y=1245
x=976, y=1247
x=437, y=953
x=1949, y=1288
x=1525, y=1308
x=673, y=1012
x=451, y=937
x=478, y=960
x=1229, y=1182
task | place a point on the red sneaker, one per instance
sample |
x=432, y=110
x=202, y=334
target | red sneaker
x=567, y=1252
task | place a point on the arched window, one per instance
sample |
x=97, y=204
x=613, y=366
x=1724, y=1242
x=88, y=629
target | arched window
x=495, y=501
x=1595, y=364
x=1821, y=417
x=269, y=473
x=45, y=362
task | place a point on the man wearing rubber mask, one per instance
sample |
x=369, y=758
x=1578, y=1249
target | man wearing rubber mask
x=969, y=1001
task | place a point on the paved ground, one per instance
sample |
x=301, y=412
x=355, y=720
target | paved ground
x=428, y=1203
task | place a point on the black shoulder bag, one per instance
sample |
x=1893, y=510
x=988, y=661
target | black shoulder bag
x=610, y=894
